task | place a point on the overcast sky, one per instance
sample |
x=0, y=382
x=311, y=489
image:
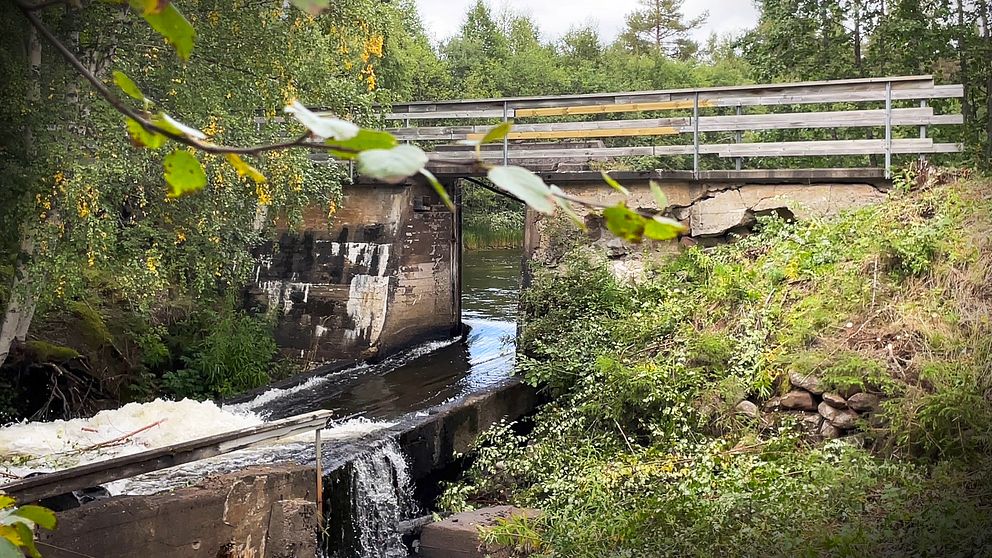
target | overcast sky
x=442, y=18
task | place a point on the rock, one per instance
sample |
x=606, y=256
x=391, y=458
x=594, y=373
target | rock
x=864, y=402
x=748, y=409
x=807, y=382
x=773, y=404
x=616, y=249
x=798, y=401
x=841, y=418
x=458, y=535
x=714, y=216
x=834, y=400
x=812, y=422
x=847, y=391
x=829, y=431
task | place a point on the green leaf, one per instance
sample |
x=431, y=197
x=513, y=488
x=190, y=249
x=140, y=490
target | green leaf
x=363, y=141
x=392, y=165
x=525, y=185
x=494, y=134
x=662, y=228
x=8, y=549
x=169, y=123
x=43, y=517
x=323, y=127
x=128, y=86
x=624, y=223
x=27, y=540
x=659, y=195
x=6, y=501
x=633, y=227
x=183, y=173
x=439, y=188
x=312, y=7
x=171, y=24
x=244, y=169
x=566, y=207
x=141, y=137
x=614, y=184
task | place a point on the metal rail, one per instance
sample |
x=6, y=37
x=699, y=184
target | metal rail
x=35, y=488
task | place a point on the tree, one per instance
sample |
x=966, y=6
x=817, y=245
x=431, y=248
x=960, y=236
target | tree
x=103, y=210
x=660, y=27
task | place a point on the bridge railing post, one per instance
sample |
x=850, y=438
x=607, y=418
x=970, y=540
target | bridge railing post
x=738, y=138
x=506, y=140
x=888, y=129
x=923, y=132
x=695, y=136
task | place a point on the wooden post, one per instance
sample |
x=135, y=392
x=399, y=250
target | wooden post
x=888, y=129
x=319, y=469
x=923, y=133
x=739, y=137
x=506, y=139
x=695, y=136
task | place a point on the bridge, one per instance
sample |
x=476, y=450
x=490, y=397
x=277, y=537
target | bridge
x=385, y=272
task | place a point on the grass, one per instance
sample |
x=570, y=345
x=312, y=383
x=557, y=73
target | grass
x=640, y=453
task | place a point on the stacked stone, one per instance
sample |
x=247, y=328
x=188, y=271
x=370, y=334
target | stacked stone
x=823, y=413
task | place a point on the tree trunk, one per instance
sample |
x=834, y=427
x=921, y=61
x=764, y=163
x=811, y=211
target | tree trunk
x=22, y=303
x=963, y=60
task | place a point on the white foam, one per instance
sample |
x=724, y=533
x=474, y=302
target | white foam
x=31, y=447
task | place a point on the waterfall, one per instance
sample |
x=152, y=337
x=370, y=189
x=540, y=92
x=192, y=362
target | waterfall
x=381, y=497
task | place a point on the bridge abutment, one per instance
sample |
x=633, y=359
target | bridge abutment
x=377, y=275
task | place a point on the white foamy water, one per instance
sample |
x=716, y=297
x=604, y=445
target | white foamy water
x=31, y=447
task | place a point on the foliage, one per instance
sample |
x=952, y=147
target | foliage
x=17, y=525
x=233, y=357
x=640, y=452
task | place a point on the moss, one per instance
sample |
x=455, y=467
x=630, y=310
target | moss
x=43, y=351
x=94, y=328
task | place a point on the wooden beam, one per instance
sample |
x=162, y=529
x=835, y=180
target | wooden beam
x=755, y=98
x=35, y=488
x=601, y=133
x=766, y=149
x=856, y=84
x=668, y=126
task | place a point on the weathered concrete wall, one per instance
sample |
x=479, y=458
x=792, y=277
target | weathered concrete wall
x=711, y=210
x=376, y=276
x=255, y=513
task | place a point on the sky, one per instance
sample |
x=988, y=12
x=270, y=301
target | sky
x=442, y=18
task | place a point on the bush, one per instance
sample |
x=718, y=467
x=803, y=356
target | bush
x=233, y=357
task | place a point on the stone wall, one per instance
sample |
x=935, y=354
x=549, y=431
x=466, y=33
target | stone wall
x=376, y=276
x=711, y=210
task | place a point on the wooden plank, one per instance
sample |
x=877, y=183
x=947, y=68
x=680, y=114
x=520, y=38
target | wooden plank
x=605, y=109
x=94, y=474
x=601, y=133
x=898, y=82
x=667, y=126
x=706, y=101
x=766, y=149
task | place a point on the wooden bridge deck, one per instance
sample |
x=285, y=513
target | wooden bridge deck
x=554, y=134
